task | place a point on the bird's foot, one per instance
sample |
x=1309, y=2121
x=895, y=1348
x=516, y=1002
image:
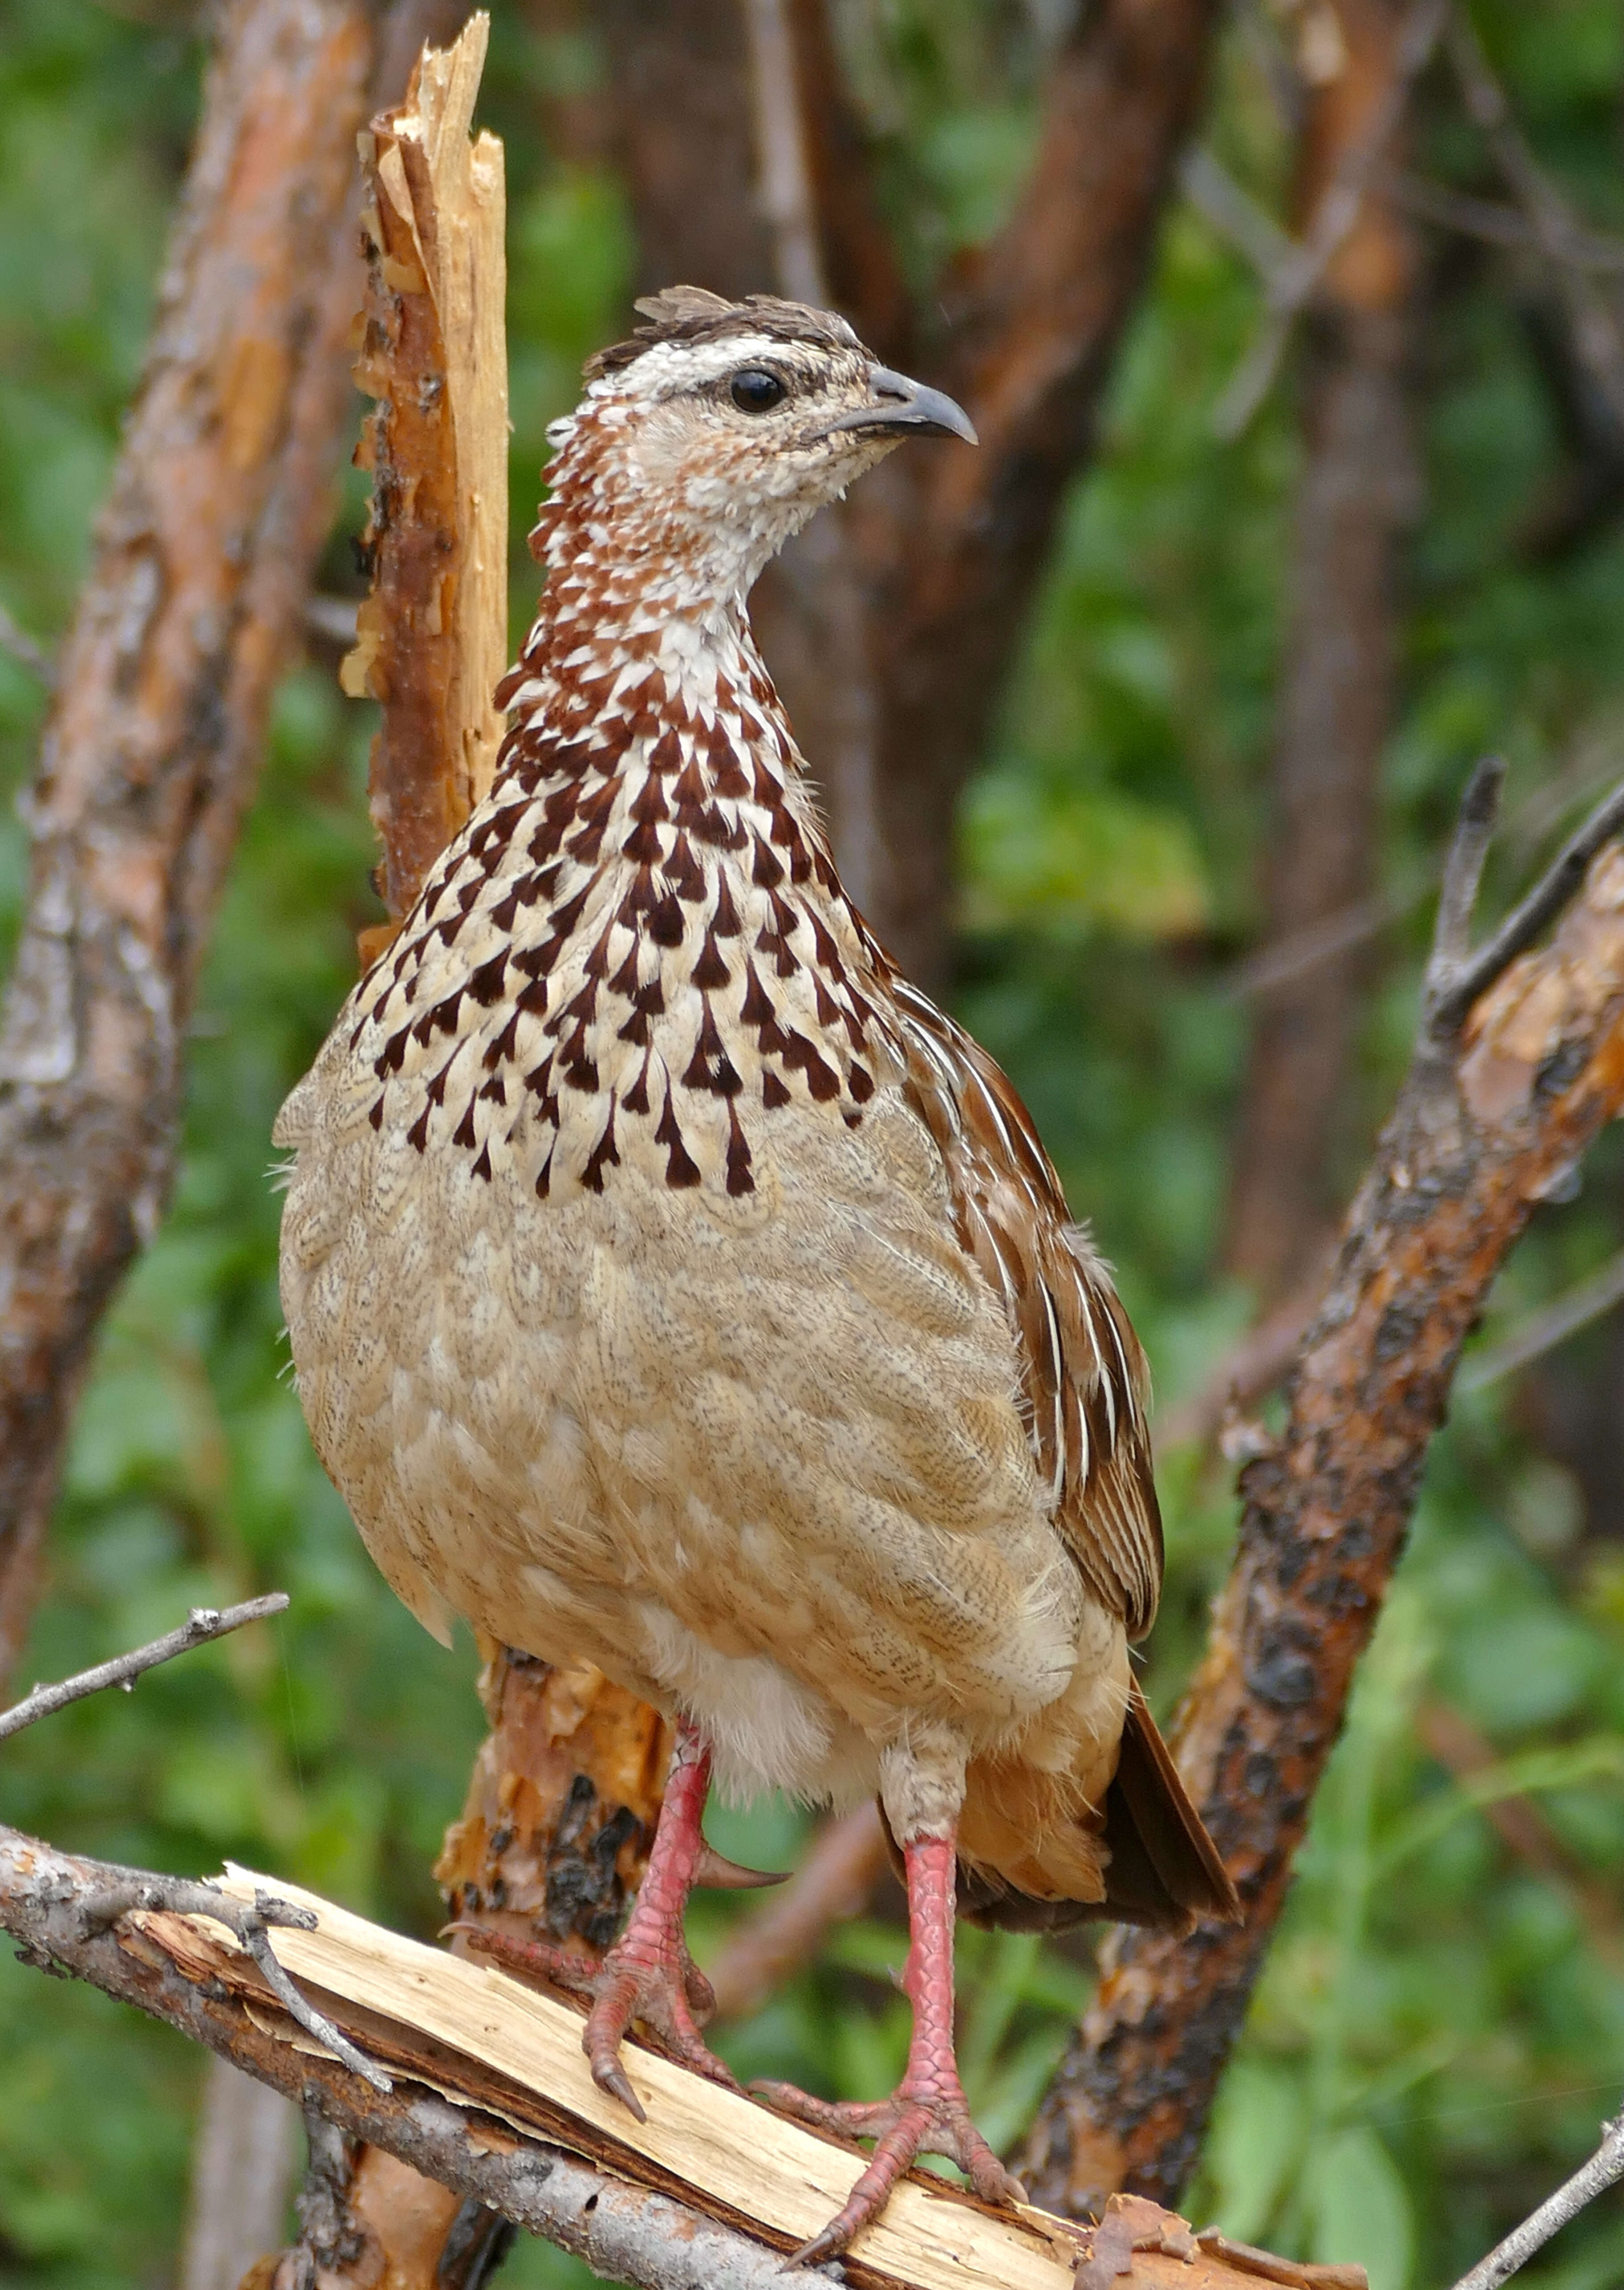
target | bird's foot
x=926, y=2115
x=648, y=1976
x=531, y=1959
x=651, y=1979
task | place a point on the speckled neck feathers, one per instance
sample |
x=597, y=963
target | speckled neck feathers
x=640, y=942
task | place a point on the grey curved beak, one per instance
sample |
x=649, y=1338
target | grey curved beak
x=896, y=403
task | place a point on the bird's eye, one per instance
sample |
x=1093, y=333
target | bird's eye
x=754, y=390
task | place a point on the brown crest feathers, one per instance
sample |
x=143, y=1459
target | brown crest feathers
x=692, y=313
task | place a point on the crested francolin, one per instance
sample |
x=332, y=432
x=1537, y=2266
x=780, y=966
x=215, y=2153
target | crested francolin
x=671, y=1283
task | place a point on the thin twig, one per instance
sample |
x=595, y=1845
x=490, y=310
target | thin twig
x=1493, y=221
x=1463, y=865
x=202, y=1625
x=1295, y=281
x=127, y=1890
x=1596, y=339
x=1604, y=2169
x=1542, y=1332
x=1452, y=988
x=1283, y=960
x=26, y=651
x=1235, y=215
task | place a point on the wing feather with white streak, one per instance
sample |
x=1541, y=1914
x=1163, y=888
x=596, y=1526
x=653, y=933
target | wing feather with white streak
x=1083, y=1376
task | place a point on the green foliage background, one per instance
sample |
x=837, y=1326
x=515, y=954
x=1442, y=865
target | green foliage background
x=1437, y=2032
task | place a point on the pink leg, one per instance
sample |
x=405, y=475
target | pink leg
x=927, y=2112
x=648, y=1974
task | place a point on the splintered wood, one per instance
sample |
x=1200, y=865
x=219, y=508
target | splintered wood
x=486, y=2040
x=512, y=2055
x=431, y=638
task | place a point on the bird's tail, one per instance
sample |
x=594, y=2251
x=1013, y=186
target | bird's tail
x=1032, y=1859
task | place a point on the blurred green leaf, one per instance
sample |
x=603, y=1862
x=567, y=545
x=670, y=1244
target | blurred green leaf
x=1255, y=2147
x=1362, y=2210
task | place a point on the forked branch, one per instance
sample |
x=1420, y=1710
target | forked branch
x=1456, y=978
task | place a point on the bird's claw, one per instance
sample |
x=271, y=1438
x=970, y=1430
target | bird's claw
x=918, y=2118
x=660, y=1986
x=670, y=1996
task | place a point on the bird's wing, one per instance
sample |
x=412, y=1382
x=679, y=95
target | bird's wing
x=1084, y=1381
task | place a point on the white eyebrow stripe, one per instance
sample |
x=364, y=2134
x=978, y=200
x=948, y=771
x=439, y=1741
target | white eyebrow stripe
x=666, y=366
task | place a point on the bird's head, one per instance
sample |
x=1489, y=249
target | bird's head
x=712, y=435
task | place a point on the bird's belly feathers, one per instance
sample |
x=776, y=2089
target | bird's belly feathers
x=760, y=1459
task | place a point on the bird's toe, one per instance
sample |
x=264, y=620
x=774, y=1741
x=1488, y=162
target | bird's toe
x=915, y=2120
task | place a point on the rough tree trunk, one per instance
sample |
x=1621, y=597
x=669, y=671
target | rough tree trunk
x=202, y=554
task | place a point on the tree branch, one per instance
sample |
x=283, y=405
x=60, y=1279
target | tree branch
x=706, y=2195
x=786, y=190
x=26, y=651
x=1333, y=709
x=1604, y=2169
x=200, y=1626
x=630, y=2233
x=1481, y=1133
x=431, y=634
x=1496, y=223
x=1597, y=341
x=219, y=504
x=1294, y=283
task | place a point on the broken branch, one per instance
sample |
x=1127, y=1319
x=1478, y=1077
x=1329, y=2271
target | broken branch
x=488, y=2075
x=431, y=637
